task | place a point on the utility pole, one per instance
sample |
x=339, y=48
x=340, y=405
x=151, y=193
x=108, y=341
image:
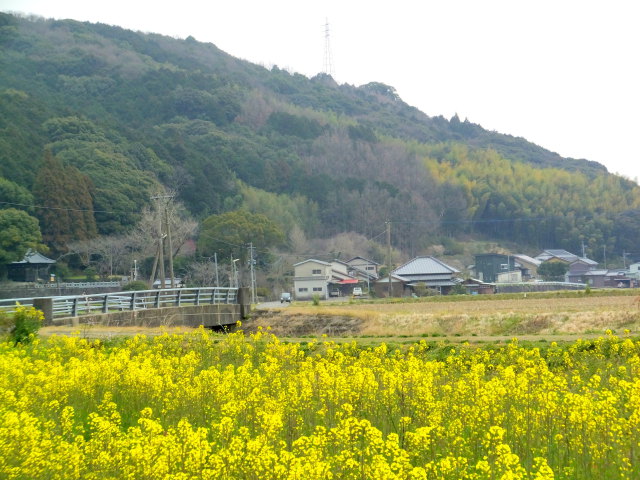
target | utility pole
x=253, y=274
x=170, y=246
x=234, y=272
x=153, y=270
x=215, y=259
x=604, y=248
x=161, y=252
x=161, y=236
x=389, y=254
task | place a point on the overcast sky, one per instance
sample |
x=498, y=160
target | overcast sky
x=563, y=74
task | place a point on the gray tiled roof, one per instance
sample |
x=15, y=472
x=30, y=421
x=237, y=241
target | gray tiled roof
x=394, y=277
x=312, y=260
x=557, y=253
x=35, y=258
x=564, y=255
x=594, y=273
x=425, y=266
x=527, y=258
x=435, y=283
x=366, y=260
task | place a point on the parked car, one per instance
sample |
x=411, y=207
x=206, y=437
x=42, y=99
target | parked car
x=285, y=297
x=334, y=292
x=357, y=291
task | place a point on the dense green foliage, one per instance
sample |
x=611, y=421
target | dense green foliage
x=512, y=200
x=19, y=232
x=229, y=234
x=553, y=271
x=26, y=323
x=64, y=195
x=125, y=112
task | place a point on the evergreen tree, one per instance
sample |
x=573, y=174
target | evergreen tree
x=230, y=233
x=63, y=196
x=19, y=232
x=13, y=195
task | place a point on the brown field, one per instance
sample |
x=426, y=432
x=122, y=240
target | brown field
x=492, y=317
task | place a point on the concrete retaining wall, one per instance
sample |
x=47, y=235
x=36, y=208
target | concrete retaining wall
x=191, y=316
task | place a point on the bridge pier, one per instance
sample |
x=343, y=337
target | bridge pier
x=45, y=305
x=244, y=299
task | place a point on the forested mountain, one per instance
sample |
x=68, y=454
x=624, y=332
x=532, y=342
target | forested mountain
x=95, y=118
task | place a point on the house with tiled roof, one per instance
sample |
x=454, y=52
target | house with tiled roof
x=421, y=271
x=33, y=267
x=609, y=279
x=578, y=266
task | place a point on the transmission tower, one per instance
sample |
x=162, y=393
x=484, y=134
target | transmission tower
x=328, y=66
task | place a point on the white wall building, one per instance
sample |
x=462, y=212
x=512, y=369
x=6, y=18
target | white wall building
x=311, y=277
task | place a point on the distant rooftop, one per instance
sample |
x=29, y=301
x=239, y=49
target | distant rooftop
x=527, y=259
x=425, y=266
x=564, y=256
x=35, y=258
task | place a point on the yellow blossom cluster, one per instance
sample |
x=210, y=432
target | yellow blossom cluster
x=207, y=406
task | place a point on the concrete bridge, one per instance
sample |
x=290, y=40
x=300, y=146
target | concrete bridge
x=207, y=306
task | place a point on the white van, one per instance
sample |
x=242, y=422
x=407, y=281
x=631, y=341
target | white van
x=357, y=291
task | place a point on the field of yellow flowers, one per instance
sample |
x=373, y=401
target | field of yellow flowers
x=210, y=406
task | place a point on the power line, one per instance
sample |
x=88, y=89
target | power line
x=407, y=222
x=43, y=207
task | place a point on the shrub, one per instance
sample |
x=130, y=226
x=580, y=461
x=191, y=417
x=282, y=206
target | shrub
x=315, y=299
x=135, y=285
x=263, y=292
x=26, y=323
x=90, y=274
x=5, y=323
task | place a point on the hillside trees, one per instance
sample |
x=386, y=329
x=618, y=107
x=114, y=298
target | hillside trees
x=132, y=111
x=65, y=204
x=19, y=232
x=120, y=187
x=627, y=230
x=201, y=155
x=287, y=211
x=14, y=195
x=230, y=233
x=534, y=206
x=21, y=134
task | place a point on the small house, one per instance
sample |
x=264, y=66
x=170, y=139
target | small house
x=33, y=267
x=609, y=279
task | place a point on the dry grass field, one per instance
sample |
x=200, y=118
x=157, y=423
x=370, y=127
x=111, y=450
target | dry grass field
x=527, y=315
